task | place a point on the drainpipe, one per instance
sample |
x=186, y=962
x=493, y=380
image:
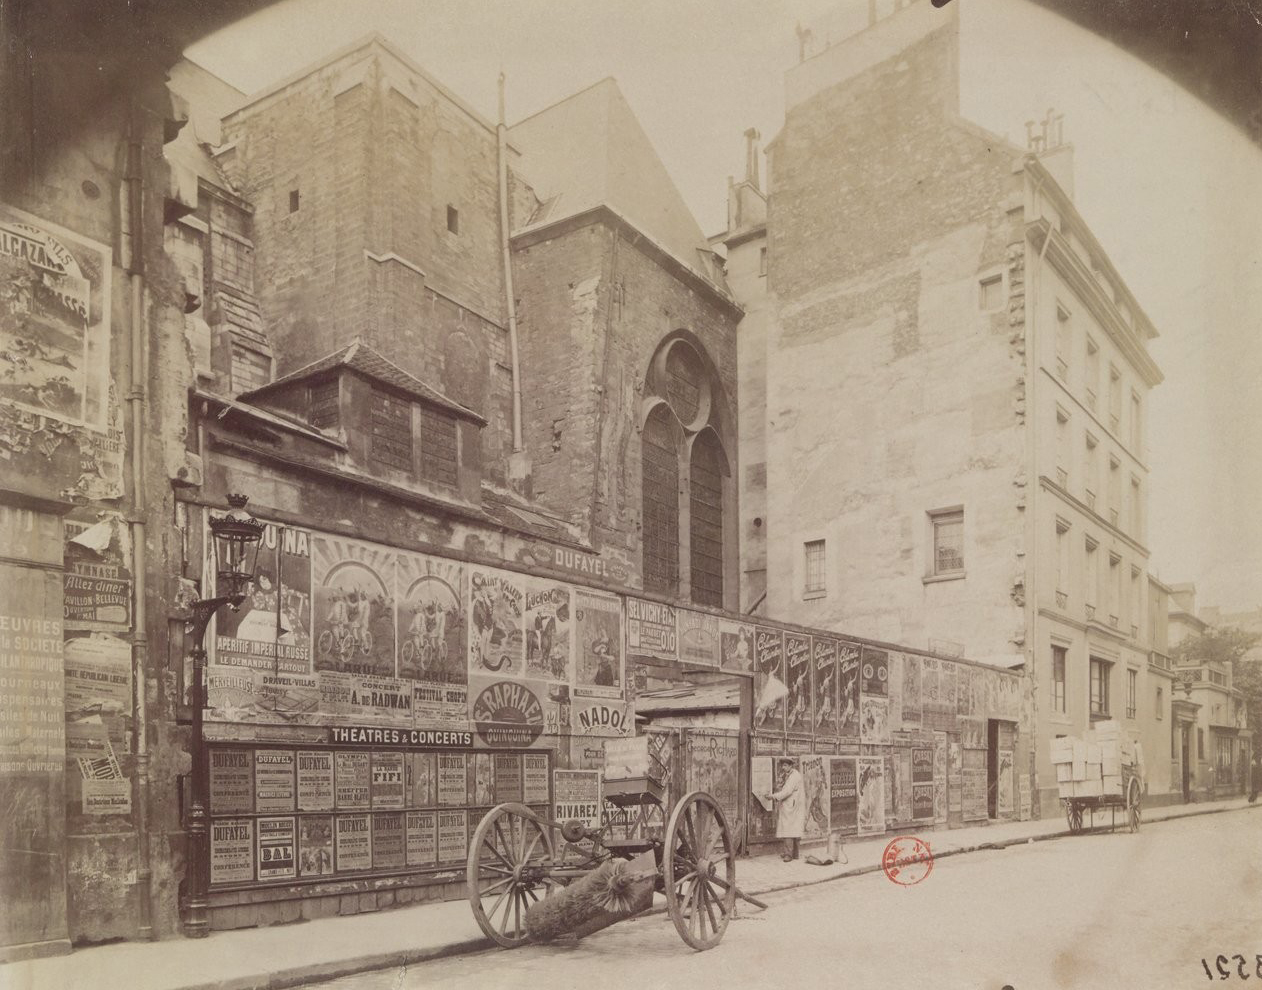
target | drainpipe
x=134, y=380
x=517, y=466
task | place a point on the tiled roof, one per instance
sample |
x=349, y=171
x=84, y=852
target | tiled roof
x=700, y=697
x=358, y=356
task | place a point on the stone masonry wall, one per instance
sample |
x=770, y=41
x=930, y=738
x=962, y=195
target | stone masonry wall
x=890, y=393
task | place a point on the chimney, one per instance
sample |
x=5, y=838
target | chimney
x=752, y=151
x=1046, y=141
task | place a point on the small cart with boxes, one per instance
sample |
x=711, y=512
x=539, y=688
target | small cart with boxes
x=1104, y=769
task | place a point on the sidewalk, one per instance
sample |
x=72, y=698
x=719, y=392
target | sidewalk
x=289, y=955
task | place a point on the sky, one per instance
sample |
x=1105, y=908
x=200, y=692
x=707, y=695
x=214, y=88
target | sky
x=1168, y=187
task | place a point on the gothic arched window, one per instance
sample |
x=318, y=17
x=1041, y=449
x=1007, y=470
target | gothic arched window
x=705, y=522
x=660, y=500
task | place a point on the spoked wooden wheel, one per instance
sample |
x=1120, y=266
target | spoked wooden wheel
x=1073, y=814
x=510, y=860
x=1133, y=801
x=699, y=870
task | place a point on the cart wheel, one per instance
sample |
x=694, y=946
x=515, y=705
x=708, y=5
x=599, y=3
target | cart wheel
x=1073, y=815
x=509, y=861
x=699, y=870
x=1133, y=801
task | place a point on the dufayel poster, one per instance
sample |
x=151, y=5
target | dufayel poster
x=535, y=778
x=736, y=646
x=871, y=813
x=231, y=780
x=431, y=634
x=315, y=780
x=848, y=691
x=824, y=685
x=549, y=630
x=497, y=609
x=598, y=647
x=797, y=669
x=452, y=779
x=698, y=637
x=422, y=838
x=814, y=770
x=272, y=629
x=770, y=688
x=508, y=782
x=387, y=840
x=273, y=780
x=353, y=625
x=453, y=838
x=315, y=845
x=231, y=850
x=352, y=843
x=843, y=794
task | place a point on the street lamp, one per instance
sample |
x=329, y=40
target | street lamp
x=236, y=536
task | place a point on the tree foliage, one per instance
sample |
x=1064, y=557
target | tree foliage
x=1228, y=645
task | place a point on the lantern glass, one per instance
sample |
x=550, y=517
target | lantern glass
x=237, y=536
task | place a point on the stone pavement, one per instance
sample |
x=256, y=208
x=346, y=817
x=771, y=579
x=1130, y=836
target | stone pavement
x=289, y=955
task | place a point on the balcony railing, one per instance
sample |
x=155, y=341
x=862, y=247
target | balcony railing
x=1090, y=612
x=1113, y=621
x=1062, y=599
x=1217, y=677
x=1158, y=660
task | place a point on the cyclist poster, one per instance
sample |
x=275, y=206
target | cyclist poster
x=354, y=606
x=549, y=625
x=431, y=636
x=496, y=612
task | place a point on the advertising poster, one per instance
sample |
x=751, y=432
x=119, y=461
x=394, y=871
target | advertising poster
x=922, y=765
x=497, y=610
x=97, y=583
x=797, y=673
x=55, y=314
x=431, y=634
x=453, y=836
x=973, y=733
x=352, y=781
x=377, y=700
x=895, y=687
x=698, y=637
x=576, y=795
x=947, y=690
x=652, y=629
x=712, y=764
x=848, y=691
x=824, y=686
x=736, y=646
x=273, y=780
x=973, y=802
x=315, y=845
x=481, y=774
x=874, y=727
x=106, y=796
x=315, y=780
x=511, y=713
x=991, y=678
x=1009, y=700
x=549, y=631
x=843, y=795
x=875, y=682
x=598, y=647
x=352, y=843
x=231, y=780
x=353, y=624
x=535, y=778
x=272, y=629
x=387, y=780
x=422, y=838
x=98, y=681
x=387, y=841
x=452, y=784
x=231, y=850
x=941, y=755
x=963, y=689
x=762, y=780
x=276, y=848
x=815, y=787
x=922, y=802
x=871, y=813
x=287, y=698
x=232, y=696
x=1005, y=782
x=508, y=783
x=770, y=688
x=902, y=784
x=603, y=718
x=421, y=783
x=911, y=692
x=930, y=699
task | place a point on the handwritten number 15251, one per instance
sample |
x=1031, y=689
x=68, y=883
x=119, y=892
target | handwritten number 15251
x=1223, y=966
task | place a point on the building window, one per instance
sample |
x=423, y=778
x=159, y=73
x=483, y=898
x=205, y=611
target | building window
x=453, y=220
x=1093, y=471
x=815, y=582
x=293, y=201
x=948, y=542
x=1115, y=590
x=323, y=408
x=1064, y=343
x=1059, y=655
x=762, y=261
x=1100, y=670
x=1093, y=576
x=1062, y=563
x=990, y=294
x=660, y=500
x=705, y=521
x=1093, y=373
x=1134, y=514
x=1136, y=607
x=1137, y=433
x=1115, y=398
x=1062, y=448
x=1132, y=692
x=390, y=430
x=1161, y=704
x=438, y=447
x=1115, y=490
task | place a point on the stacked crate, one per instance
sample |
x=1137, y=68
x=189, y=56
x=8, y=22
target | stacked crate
x=1092, y=766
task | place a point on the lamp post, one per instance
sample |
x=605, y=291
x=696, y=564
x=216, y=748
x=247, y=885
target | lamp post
x=236, y=537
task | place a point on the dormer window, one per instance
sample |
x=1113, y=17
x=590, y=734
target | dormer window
x=322, y=404
x=438, y=447
x=390, y=430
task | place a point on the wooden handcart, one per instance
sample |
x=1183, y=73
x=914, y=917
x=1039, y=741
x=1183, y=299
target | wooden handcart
x=1105, y=769
x=518, y=857
x=1130, y=800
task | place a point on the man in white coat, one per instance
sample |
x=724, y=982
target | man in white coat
x=791, y=808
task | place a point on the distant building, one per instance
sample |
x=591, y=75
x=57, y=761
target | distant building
x=956, y=386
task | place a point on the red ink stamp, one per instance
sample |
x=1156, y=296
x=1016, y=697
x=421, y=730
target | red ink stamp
x=907, y=860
